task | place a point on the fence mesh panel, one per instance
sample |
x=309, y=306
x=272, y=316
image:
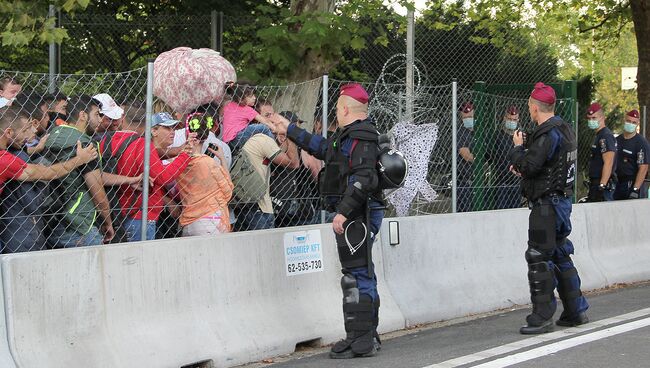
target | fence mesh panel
x=199, y=196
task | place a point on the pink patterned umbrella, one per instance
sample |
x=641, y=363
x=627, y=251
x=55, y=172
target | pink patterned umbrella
x=185, y=78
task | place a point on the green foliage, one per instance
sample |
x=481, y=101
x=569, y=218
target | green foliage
x=285, y=46
x=24, y=21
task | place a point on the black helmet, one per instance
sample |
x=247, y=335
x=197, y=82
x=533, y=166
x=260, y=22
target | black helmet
x=392, y=167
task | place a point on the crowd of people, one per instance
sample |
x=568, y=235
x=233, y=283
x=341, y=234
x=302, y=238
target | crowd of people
x=73, y=169
x=616, y=169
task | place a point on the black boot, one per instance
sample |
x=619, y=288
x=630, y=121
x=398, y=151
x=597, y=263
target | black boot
x=360, y=332
x=572, y=321
x=536, y=325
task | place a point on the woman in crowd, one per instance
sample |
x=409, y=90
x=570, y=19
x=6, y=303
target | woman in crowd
x=205, y=187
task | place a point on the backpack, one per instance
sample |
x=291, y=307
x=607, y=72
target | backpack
x=109, y=162
x=248, y=185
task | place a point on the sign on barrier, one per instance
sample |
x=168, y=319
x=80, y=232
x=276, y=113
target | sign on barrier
x=302, y=252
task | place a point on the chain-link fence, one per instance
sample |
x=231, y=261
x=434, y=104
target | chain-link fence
x=235, y=180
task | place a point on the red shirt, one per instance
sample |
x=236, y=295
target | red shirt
x=132, y=164
x=11, y=167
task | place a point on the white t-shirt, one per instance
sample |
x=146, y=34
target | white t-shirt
x=180, y=139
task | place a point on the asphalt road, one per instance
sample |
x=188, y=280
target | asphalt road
x=617, y=336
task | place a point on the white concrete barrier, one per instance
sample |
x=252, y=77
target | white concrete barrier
x=173, y=302
x=619, y=240
x=453, y=265
x=228, y=299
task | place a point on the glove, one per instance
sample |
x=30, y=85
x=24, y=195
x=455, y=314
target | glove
x=634, y=194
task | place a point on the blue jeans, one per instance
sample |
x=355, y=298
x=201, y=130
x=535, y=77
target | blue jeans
x=256, y=220
x=69, y=238
x=133, y=229
x=244, y=135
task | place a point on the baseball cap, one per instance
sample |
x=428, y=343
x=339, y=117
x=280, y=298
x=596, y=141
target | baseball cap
x=108, y=107
x=633, y=114
x=594, y=108
x=356, y=91
x=164, y=119
x=291, y=116
x=543, y=93
x=467, y=107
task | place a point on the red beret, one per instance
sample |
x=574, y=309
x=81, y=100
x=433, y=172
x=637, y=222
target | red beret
x=633, y=114
x=543, y=93
x=356, y=91
x=467, y=107
x=512, y=110
x=594, y=108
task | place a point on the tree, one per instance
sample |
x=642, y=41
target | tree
x=308, y=39
x=24, y=21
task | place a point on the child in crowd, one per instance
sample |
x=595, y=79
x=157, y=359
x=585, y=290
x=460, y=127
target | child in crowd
x=205, y=187
x=238, y=115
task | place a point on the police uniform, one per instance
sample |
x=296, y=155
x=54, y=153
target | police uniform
x=349, y=185
x=604, y=142
x=465, y=171
x=508, y=193
x=548, y=169
x=632, y=153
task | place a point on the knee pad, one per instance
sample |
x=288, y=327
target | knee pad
x=534, y=255
x=350, y=289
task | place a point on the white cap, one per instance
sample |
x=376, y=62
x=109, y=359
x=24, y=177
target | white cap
x=108, y=106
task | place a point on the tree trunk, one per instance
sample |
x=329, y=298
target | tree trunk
x=641, y=18
x=313, y=64
x=299, y=7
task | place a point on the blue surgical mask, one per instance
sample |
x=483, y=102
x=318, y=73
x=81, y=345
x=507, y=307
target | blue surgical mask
x=4, y=102
x=593, y=124
x=629, y=127
x=510, y=124
x=468, y=123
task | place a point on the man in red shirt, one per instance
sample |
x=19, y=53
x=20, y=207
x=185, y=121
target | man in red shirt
x=131, y=163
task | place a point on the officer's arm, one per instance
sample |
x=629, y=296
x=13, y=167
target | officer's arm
x=529, y=162
x=608, y=163
x=363, y=170
x=640, y=175
x=316, y=145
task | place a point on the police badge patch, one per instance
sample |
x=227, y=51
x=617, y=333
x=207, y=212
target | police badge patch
x=603, y=145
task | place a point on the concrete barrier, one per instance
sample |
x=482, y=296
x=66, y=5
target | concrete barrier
x=171, y=303
x=618, y=238
x=227, y=299
x=453, y=265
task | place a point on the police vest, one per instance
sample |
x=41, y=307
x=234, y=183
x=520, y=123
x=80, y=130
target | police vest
x=333, y=178
x=558, y=174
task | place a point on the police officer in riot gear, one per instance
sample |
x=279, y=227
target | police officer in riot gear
x=547, y=166
x=349, y=185
x=631, y=160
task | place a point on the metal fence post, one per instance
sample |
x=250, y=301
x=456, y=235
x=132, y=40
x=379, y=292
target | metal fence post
x=410, y=31
x=52, y=56
x=324, y=123
x=213, y=30
x=147, y=150
x=454, y=144
x=216, y=31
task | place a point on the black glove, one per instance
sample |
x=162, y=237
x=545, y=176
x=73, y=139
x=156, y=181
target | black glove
x=634, y=194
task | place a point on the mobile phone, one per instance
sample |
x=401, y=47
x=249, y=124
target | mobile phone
x=214, y=147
